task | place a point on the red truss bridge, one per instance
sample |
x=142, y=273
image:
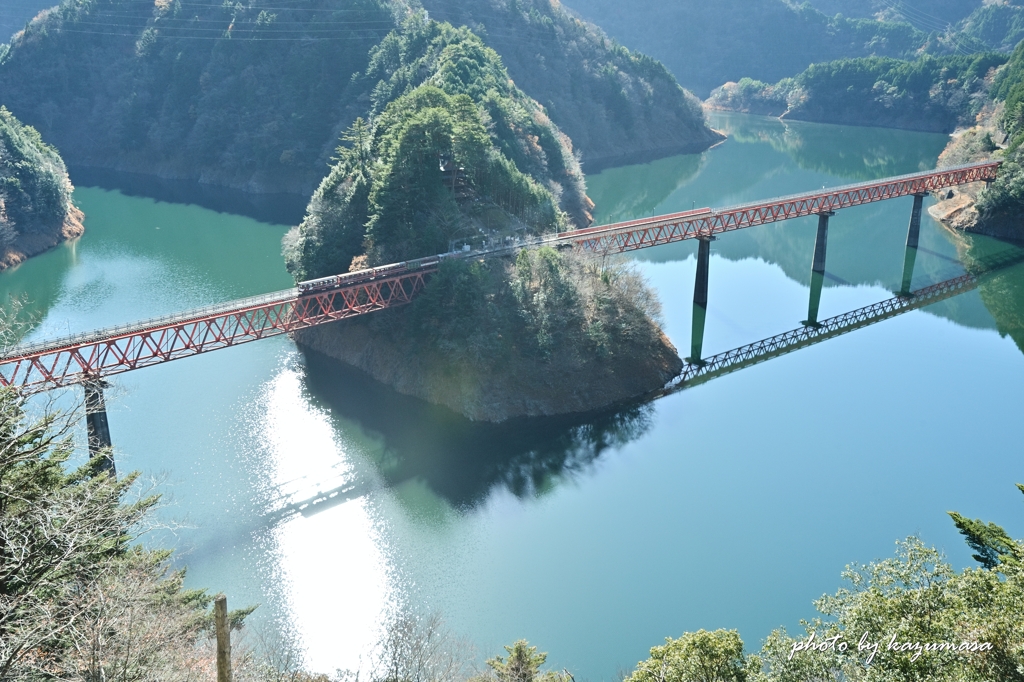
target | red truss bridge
x=93, y=355
x=706, y=222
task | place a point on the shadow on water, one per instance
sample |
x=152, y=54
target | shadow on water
x=463, y=461
x=460, y=460
x=277, y=209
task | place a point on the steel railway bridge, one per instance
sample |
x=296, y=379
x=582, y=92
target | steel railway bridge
x=88, y=358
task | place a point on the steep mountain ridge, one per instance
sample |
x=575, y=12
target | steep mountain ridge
x=253, y=96
x=705, y=44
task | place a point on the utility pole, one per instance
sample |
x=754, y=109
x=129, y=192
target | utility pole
x=220, y=618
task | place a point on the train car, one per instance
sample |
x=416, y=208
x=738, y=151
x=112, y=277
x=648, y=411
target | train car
x=348, y=279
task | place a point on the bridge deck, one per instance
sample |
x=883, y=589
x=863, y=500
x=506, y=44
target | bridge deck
x=69, y=360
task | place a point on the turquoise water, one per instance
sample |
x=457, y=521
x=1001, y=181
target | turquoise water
x=733, y=504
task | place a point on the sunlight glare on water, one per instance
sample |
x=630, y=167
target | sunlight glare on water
x=332, y=567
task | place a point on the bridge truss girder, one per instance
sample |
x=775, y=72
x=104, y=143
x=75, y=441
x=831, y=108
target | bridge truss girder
x=654, y=232
x=97, y=354
x=197, y=332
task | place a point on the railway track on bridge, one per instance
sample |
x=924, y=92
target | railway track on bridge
x=93, y=355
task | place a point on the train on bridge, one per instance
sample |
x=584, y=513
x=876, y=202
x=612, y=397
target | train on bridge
x=562, y=239
x=348, y=279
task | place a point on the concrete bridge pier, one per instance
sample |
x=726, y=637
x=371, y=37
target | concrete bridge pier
x=817, y=281
x=700, y=300
x=97, y=428
x=818, y=268
x=913, y=235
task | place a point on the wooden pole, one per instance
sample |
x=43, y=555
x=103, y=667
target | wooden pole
x=220, y=617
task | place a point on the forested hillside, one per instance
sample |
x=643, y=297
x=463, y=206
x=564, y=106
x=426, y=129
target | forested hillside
x=455, y=154
x=705, y=44
x=615, y=104
x=222, y=94
x=454, y=150
x=926, y=15
x=930, y=93
x=36, y=211
x=254, y=95
x=1000, y=207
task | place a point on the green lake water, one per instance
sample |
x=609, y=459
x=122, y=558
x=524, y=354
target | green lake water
x=732, y=504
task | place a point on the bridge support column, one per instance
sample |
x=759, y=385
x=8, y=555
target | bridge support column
x=700, y=300
x=913, y=235
x=97, y=428
x=817, y=281
x=818, y=269
x=821, y=242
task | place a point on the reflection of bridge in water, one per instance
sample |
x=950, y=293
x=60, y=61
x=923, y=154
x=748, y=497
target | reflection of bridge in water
x=88, y=358
x=705, y=369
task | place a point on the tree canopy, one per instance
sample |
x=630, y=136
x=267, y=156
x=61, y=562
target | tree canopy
x=35, y=193
x=452, y=150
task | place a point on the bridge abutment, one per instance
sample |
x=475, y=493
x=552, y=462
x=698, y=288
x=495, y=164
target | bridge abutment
x=97, y=428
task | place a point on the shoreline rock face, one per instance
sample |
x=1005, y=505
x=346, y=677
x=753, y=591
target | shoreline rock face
x=34, y=243
x=524, y=387
x=957, y=209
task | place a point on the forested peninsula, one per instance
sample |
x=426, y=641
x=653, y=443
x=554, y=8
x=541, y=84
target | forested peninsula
x=253, y=95
x=456, y=154
x=36, y=211
x=932, y=94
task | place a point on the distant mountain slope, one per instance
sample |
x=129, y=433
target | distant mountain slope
x=14, y=14
x=932, y=94
x=707, y=43
x=228, y=95
x=925, y=15
x=613, y=103
x=993, y=26
x=254, y=95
